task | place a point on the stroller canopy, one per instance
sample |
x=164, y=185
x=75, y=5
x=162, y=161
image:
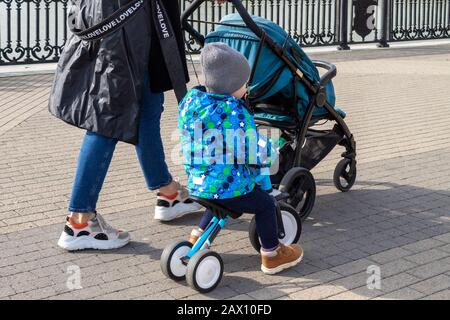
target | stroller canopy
x=272, y=75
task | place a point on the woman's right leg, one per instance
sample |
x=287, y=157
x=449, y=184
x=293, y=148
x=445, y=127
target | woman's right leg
x=172, y=199
x=85, y=229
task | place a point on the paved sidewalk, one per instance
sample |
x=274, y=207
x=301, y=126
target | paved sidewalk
x=395, y=218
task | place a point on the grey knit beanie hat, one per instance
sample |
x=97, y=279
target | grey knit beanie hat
x=225, y=70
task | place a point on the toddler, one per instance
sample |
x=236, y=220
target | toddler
x=233, y=176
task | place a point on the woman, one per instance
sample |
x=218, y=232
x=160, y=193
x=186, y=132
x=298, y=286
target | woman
x=113, y=88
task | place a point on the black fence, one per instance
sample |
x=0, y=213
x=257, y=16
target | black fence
x=36, y=30
x=32, y=30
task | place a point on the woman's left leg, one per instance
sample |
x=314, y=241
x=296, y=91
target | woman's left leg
x=172, y=200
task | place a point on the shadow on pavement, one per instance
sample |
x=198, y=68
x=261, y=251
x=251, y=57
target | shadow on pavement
x=346, y=229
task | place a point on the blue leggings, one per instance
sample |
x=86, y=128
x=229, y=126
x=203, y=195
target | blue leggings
x=97, y=151
x=261, y=204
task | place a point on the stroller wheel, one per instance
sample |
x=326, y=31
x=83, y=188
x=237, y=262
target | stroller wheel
x=299, y=183
x=292, y=228
x=171, y=264
x=345, y=175
x=204, y=271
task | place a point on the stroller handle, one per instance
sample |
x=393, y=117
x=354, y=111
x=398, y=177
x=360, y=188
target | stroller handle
x=251, y=24
x=330, y=73
x=199, y=38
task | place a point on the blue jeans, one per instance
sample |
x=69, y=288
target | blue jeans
x=261, y=204
x=97, y=151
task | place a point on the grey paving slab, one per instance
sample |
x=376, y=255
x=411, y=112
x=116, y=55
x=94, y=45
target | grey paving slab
x=403, y=294
x=442, y=295
x=433, y=285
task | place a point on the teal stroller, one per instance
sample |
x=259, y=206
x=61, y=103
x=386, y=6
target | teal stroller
x=288, y=93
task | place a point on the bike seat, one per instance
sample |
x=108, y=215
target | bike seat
x=216, y=209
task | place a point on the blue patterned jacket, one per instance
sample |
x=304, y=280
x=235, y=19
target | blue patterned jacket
x=222, y=151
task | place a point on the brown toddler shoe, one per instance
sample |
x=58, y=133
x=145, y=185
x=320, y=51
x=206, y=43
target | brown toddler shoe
x=280, y=259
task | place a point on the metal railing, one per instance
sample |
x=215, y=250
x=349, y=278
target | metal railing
x=309, y=22
x=419, y=19
x=35, y=30
x=32, y=30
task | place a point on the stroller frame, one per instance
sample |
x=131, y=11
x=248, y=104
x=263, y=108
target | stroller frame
x=318, y=92
x=299, y=129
